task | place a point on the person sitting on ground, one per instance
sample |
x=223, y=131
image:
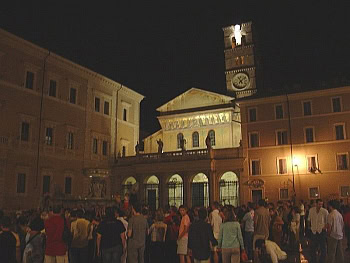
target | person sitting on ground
x=269, y=251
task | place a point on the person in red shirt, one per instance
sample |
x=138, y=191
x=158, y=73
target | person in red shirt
x=56, y=249
x=347, y=225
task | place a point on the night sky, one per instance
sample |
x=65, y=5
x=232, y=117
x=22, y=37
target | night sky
x=162, y=49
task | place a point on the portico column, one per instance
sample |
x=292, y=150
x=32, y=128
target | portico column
x=187, y=190
x=213, y=187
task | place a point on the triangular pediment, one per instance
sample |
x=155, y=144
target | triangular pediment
x=195, y=98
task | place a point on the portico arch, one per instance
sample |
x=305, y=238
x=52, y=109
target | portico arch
x=152, y=192
x=229, y=189
x=200, y=190
x=175, y=190
x=127, y=184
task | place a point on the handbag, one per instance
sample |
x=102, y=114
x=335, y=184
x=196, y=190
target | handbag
x=244, y=256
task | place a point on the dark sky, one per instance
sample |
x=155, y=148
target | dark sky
x=162, y=49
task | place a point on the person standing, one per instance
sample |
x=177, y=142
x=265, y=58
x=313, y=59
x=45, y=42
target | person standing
x=157, y=233
x=200, y=236
x=7, y=242
x=215, y=221
x=137, y=232
x=110, y=238
x=80, y=229
x=318, y=222
x=182, y=240
x=248, y=221
x=335, y=227
x=347, y=225
x=261, y=222
x=34, y=242
x=56, y=249
x=230, y=239
x=302, y=219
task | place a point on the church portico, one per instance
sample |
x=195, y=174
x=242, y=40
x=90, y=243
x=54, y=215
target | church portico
x=191, y=178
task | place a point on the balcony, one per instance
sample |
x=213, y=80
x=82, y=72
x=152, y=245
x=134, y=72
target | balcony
x=178, y=156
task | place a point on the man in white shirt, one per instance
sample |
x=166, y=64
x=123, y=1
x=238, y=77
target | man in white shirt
x=318, y=221
x=302, y=219
x=215, y=221
x=335, y=227
x=271, y=249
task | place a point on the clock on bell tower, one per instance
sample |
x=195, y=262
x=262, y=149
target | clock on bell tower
x=240, y=60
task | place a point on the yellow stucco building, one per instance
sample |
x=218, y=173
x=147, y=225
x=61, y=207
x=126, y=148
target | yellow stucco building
x=62, y=126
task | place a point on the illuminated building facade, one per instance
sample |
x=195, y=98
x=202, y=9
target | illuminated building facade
x=62, y=128
x=298, y=141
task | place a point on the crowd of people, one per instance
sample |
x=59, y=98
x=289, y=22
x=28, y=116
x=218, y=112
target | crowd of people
x=262, y=232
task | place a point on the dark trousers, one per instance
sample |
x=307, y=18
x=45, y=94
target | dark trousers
x=78, y=255
x=302, y=227
x=248, y=243
x=112, y=255
x=157, y=252
x=347, y=233
x=318, y=241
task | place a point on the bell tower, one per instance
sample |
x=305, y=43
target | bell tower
x=240, y=60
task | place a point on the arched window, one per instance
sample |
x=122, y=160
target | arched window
x=229, y=189
x=195, y=139
x=175, y=190
x=200, y=190
x=180, y=136
x=152, y=192
x=128, y=183
x=212, y=137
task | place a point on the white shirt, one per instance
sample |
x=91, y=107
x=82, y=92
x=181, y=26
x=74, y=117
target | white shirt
x=215, y=221
x=275, y=251
x=336, y=223
x=302, y=210
x=318, y=220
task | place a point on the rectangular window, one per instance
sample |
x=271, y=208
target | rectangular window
x=253, y=140
x=345, y=191
x=25, y=131
x=52, y=88
x=70, y=141
x=125, y=114
x=307, y=108
x=339, y=132
x=342, y=161
x=94, y=145
x=21, y=183
x=252, y=115
x=279, y=112
x=255, y=167
x=49, y=136
x=68, y=185
x=314, y=193
x=46, y=184
x=282, y=165
x=336, y=104
x=73, y=95
x=106, y=108
x=282, y=137
x=309, y=135
x=104, y=148
x=312, y=166
x=29, y=80
x=284, y=194
x=97, y=104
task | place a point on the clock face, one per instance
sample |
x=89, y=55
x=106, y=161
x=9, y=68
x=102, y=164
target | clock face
x=240, y=80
